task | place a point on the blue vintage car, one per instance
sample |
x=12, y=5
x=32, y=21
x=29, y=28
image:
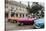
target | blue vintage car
x=39, y=23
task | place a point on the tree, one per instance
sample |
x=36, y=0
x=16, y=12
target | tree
x=34, y=8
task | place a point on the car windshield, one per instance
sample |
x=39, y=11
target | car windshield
x=41, y=20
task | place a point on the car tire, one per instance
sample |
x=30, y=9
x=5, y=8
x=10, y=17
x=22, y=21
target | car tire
x=22, y=24
x=18, y=24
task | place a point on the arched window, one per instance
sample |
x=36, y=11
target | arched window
x=16, y=15
x=12, y=14
x=23, y=15
x=20, y=14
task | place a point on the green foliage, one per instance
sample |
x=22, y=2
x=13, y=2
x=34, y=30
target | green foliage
x=35, y=8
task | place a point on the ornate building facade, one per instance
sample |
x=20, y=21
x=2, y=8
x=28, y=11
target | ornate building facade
x=16, y=9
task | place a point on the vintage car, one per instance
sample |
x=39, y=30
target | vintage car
x=22, y=21
x=12, y=19
x=39, y=23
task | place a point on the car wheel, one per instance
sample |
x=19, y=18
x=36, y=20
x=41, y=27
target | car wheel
x=32, y=23
x=18, y=24
x=22, y=24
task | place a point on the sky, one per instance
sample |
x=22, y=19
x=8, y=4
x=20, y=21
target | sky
x=26, y=2
x=23, y=2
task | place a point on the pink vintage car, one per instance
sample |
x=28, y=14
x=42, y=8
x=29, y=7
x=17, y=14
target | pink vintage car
x=22, y=21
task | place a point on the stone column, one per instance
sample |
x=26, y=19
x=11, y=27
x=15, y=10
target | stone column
x=18, y=15
x=15, y=15
x=24, y=15
x=21, y=15
x=9, y=13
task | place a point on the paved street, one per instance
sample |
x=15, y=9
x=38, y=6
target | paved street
x=13, y=26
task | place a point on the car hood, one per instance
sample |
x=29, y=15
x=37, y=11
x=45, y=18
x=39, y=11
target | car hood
x=39, y=21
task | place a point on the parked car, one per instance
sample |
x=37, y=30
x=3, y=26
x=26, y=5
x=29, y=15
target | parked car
x=12, y=19
x=39, y=23
x=22, y=21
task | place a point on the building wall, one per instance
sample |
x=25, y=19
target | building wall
x=22, y=12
